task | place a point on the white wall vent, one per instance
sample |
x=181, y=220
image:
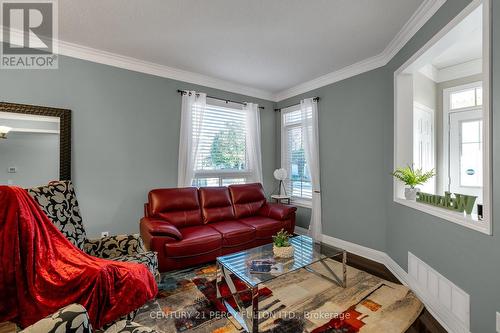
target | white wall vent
x=440, y=294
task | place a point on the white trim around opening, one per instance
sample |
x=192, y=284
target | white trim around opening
x=401, y=123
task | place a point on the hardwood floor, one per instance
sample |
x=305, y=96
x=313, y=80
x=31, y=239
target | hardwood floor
x=425, y=323
x=7, y=327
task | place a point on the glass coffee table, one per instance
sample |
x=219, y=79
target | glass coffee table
x=306, y=253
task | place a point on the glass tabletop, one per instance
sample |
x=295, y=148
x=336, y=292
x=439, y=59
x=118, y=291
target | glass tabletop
x=306, y=252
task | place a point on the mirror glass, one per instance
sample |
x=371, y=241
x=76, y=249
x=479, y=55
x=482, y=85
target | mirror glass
x=29, y=149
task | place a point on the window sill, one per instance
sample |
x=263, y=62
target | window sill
x=458, y=218
x=301, y=203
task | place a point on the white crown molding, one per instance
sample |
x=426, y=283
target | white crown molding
x=468, y=68
x=28, y=117
x=324, y=80
x=424, y=12
x=116, y=60
x=417, y=20
x=430, y=72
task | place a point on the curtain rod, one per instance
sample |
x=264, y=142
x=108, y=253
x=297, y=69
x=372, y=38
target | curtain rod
x=182, y=92
x=316, y=99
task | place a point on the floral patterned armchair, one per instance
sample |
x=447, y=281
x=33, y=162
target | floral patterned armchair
x=74, y=319
x=58, y=201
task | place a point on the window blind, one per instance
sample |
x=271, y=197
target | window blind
x=299, y=182
x=222, y=143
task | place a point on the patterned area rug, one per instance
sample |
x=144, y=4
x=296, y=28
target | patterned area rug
x=297, y=302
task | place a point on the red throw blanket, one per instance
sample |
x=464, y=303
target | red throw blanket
x=41, y=271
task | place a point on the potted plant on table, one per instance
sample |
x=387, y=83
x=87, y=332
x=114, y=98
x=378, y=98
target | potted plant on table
x=281, y=245
x=412, y=177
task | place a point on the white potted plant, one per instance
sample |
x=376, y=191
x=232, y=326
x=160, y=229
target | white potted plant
x=281, y=245
x=411, y=178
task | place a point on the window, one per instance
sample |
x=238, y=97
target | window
x=221, y=158
x=463, y=138
x=466, y=98
x=293, y=157
x=442, y=120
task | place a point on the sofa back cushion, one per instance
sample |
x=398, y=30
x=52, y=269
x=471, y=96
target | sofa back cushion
x=179, y=206
x=58, y=202
x=216, y=204
x=247, y=199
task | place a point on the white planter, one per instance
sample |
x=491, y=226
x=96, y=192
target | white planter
x=283, y=252
x=411, y=193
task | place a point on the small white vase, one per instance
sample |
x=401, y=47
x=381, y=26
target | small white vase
x=411, y=193
x=283, y=252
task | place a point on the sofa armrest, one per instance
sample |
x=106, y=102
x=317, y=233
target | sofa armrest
x=71, y=318
x=110, y=247
x=277, y=211
x=159, y=227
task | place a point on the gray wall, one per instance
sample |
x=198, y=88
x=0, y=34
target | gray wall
x=303, y=217
x=35, y=156
x=424, y=91
x=353, y=126
x=125, y=133
x=468, y=258
x=356, y=153
x=126, y=137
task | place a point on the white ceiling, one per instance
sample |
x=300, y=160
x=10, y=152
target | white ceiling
x=457, y=53
x=467, y=43
x=264, y=45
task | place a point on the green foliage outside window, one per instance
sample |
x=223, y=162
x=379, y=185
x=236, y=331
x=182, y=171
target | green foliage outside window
x=228, y=149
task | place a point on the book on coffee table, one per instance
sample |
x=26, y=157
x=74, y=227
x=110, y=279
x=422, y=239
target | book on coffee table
x=265, y=266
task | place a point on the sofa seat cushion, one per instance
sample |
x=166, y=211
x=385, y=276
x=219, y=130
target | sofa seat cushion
x=234, y=233
x=196, y=240
x=265, y=227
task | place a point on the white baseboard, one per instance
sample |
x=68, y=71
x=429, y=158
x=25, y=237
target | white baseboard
x=441, y=314
x=357, y=249
x=300, y=230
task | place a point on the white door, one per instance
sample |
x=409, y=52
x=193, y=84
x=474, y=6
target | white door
x=423, y=143
x=466, y=153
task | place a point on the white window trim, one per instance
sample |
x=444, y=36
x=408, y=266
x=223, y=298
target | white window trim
x=223, y=174
x=484, y=226
x=299, y=201
x=446, y=112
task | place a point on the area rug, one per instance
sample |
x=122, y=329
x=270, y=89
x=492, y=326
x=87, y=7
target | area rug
x=296, y=302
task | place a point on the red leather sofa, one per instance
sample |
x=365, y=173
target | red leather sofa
x=190, y=226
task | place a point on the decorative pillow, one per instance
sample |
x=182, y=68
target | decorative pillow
x=58, y=201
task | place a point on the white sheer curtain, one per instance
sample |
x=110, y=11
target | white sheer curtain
x=192, y=112
x=309, y=125
x=253, y=141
